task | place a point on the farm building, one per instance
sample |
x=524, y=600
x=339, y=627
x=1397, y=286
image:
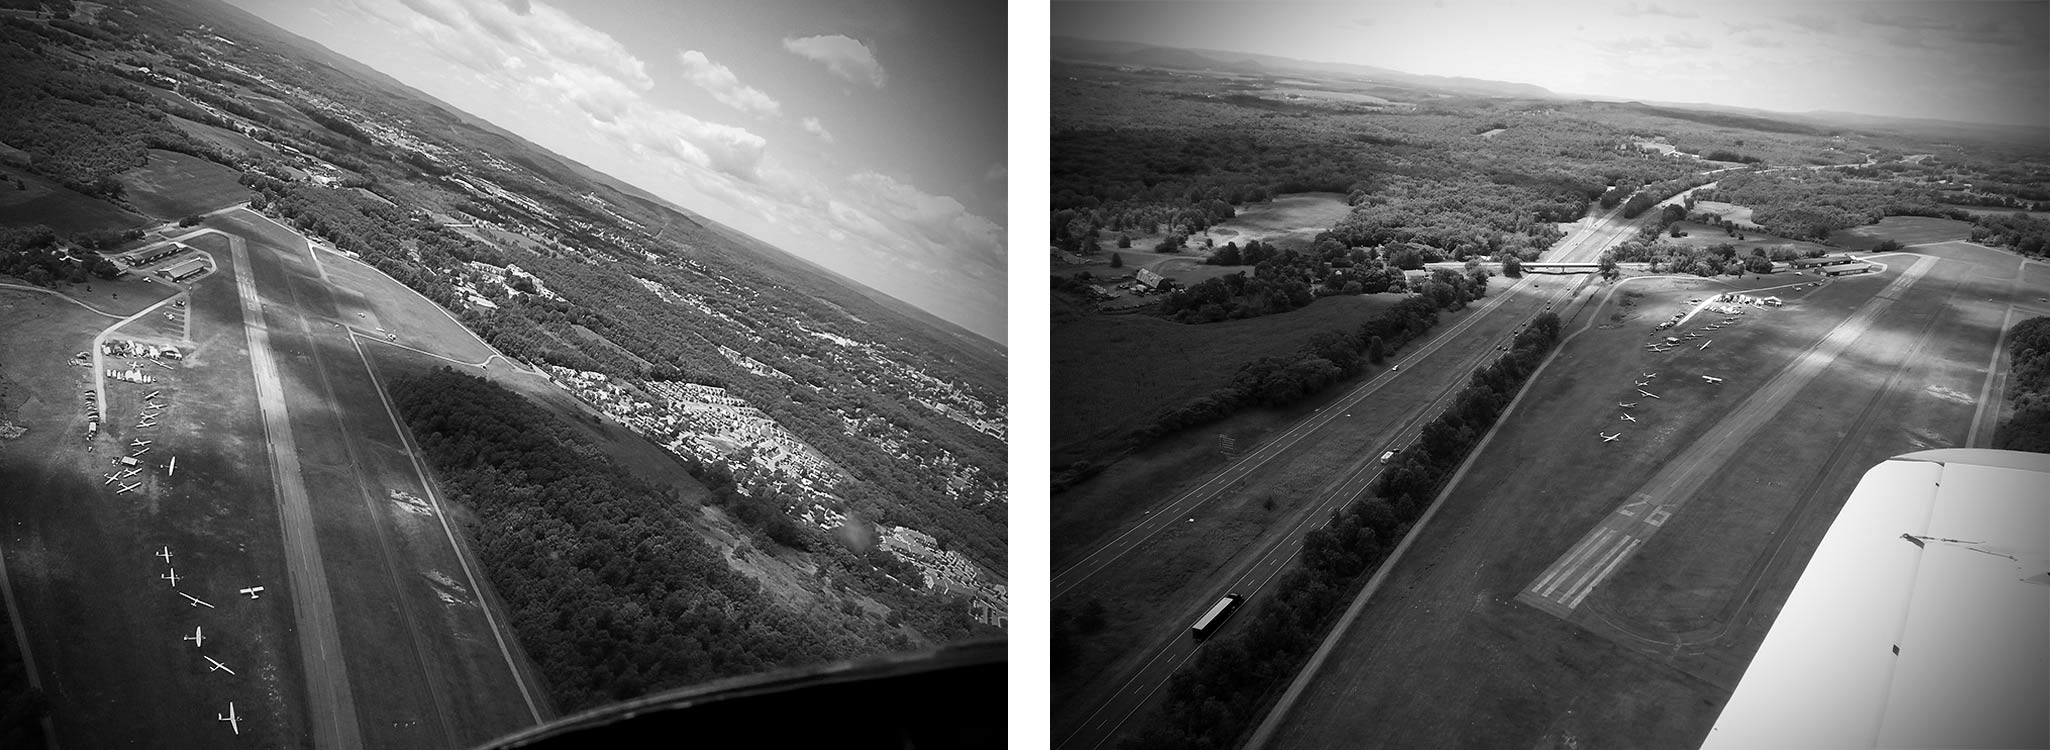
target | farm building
x=185, y=270
x=1147, y=277
x=1826, y=260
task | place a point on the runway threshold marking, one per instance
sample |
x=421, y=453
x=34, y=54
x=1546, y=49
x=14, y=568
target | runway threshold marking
x=1619, y=534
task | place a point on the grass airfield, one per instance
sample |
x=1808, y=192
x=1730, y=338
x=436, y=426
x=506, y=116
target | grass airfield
x=1660, y=637
x=417, y=660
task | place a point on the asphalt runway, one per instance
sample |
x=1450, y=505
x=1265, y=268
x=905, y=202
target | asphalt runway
x=1567, y=582
x=331, y=706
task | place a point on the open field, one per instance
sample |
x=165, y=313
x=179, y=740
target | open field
x=1703, y=235
x=58, y=207
x=173, y=185
x=1674, y=617
x=1735, y=214
x=1907, y=230
x=222, y=137
x=1293, y=219
x=1113, y=374
x=1988, y=211
x=368, y=301
x=103, y=628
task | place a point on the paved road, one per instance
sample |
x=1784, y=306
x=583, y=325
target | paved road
x=332, y=708
x=1256, y=568
x=1586, y=243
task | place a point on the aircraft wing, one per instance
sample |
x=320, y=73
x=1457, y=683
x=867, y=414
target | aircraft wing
x=1919, y=621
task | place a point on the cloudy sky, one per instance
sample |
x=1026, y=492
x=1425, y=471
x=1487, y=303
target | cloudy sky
x=866, y=135
x=1957, y=60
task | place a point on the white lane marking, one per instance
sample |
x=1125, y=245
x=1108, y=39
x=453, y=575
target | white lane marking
x=1570, y=561
x=1592, y=564
x=1604, y=574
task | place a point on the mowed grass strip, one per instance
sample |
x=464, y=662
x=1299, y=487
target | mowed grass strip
x=1907, y=230
x=1116, y=373
x=1703, y=235
x=174, y=185
x=40, y=201
x=96, y=612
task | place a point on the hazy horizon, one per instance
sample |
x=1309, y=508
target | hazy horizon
x=867, y=137
x=1982, y=63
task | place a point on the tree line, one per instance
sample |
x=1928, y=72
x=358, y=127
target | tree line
x=2027, y=428
x=2026, y=234
x=610, y=588
x=1809, y=204
x=81, y=126
x=1325, y=360
x=1285, y=279
x=35, y=255
x=1214, y=702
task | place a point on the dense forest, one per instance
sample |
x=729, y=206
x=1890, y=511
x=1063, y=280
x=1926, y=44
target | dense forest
x=1421, y=175
x=1236, y=675
x=2027, y=428
x=2026, y=234
x=657, y=340
x=1809, y=204
x=80, y=126
x=612, y=592
x=33, y=254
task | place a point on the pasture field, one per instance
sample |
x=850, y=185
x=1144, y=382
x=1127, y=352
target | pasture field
x=1907, y=230
x=1738, y=215
x=1703, y=235
x=1988, y=211
x=1293, y=219
x=103, y=628
x=1115, y=373
x=1650, y=655
x=173, y=185
x=60, y=208
x=223, y=137
x=368, y=300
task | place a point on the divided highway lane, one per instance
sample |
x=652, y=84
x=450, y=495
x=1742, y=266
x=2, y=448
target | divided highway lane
x=1260, y=565
x=1586, y=243
x=1162, y=517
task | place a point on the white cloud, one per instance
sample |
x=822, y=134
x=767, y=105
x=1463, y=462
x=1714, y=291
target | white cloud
x=1686, y=41
x=996, y=172
x=545, y=55
x=814, y=127
x=946, y=227
x=724, y=85
x=842, y=55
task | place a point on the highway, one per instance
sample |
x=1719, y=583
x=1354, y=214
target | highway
x=1585, y=243
x=1139, y=681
